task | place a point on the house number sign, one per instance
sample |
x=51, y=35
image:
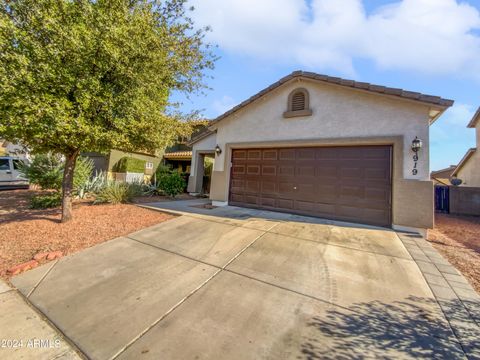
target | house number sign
x=416, y=146
x=415, y=160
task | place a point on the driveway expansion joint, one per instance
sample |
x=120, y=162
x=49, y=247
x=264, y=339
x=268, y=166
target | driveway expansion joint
x=178, y=304
x=41, y=279
x=54, y=326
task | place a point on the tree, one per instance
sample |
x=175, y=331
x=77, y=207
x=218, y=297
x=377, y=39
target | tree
x=93, y=75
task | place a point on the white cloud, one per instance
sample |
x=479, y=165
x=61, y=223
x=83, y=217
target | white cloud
x=222, y=105
x=435, y=36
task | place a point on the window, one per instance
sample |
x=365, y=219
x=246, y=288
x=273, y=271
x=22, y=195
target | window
x=16, y=164
x=4, y=164
x=298, y=104
x=148, y=165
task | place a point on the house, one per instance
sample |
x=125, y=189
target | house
x=443, y=176
x=8, y=148
x=109, y=162
x=468, y=169
x=322, y=146
x=179, y=156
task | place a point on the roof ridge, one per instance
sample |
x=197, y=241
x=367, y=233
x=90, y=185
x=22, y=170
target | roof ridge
x=379, y=89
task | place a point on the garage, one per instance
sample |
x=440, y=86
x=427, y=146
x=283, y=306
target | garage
x=349, y=183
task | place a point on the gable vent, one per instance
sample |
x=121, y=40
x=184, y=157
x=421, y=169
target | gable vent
x=298, y=101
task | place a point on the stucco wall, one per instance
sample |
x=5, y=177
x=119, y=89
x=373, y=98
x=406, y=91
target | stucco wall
x=116, y=155
x=340, y=117
x=470, y=172
x=205, y=145
x=337, y=113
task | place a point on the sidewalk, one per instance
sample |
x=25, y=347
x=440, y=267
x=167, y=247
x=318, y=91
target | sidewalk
x=24, y=334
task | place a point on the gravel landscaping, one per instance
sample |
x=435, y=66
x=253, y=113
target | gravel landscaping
x=458, y=239
x=26, y=233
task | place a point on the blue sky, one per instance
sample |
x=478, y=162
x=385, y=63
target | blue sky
x=430, y=46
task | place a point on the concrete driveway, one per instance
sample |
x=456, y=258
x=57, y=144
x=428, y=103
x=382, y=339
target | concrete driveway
x=231, y=283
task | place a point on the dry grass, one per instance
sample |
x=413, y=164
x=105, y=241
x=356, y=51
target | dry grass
x=25, y=232
x=458, y=239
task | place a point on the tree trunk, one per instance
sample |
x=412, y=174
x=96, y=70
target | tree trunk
x=67, y=185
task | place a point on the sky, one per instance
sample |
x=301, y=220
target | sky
x=429, y=46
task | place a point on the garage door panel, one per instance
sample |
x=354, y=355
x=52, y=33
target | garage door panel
x=308, y=170
x=270, y=154
x=305, y=154
x=344, y=183
x=269, y=170
x=269, y=187
x=352, y=172
x=309, y=206
x=377, y=174
x=239, y=155
x=286, y=170
x=330, y=153
x=252, y=186
x=254, y=154
x=286, y=154
x=286, y=204
x=238, y=169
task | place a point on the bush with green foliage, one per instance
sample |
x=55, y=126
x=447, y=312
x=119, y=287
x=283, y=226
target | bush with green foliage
x=47, y=201
x=172, y=184
x=81, y=175
x=46, y=171
x=92, y=185
x=130, y=164
x=118, y=192
x=162, y=170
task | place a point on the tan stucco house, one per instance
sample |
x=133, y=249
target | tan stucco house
x=468, y=169
x=443, y=176
x=322, y=146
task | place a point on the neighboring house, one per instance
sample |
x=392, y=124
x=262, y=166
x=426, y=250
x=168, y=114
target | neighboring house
x=8, y=148
x=443, y=176
x=322, y=146
x=179, y=156
x=468, y=169
x=108, y=162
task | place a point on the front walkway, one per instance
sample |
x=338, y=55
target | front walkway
x=233, y=283
x=25, y=334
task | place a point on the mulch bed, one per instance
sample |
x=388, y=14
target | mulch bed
x=458, y=239
x=25, y=233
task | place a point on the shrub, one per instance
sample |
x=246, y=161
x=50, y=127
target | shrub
x=93, y=185
x=162, y=170
x=130, y=164
x=46, y=201
x=83, y=173
x=172, y=184
x=45, y=170
x=118, y=192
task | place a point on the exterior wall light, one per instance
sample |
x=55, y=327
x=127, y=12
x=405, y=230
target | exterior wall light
x=218, y=150
x=416, y=144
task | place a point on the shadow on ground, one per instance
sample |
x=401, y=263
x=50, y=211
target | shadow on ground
x=375, y=329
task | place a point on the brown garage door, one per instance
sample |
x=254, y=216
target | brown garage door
x=344, y=183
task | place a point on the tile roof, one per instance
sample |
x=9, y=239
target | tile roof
x=178, y=155
x=395, y=92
